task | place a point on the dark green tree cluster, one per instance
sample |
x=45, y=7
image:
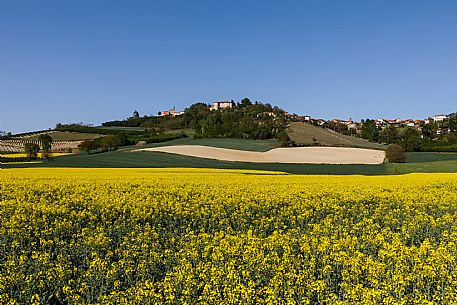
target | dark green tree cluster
x=370, y=131
x=245, y=120
x=408, y=137
x=434, y=136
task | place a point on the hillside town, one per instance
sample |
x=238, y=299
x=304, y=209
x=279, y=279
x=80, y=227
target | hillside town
x=381, y=123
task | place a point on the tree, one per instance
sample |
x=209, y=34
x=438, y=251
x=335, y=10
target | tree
x=246, y=102
x=453, y=123
x=395, y=154
x=31, y=150
x=122, y=139
x=109, y=142
x=450, y=138
x=370, y=131
x=135, y=114
x=283, y=138
x=46, y=143
x=86, y=146
x=411, y=139
x=389, y=135
x=427, y=131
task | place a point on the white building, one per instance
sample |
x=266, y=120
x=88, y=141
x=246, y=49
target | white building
x=222, y=105
x=439, y=117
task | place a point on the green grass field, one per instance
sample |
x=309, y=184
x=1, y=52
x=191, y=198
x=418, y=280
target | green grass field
x=126, y=158
x=417, y=162
x=241, y=144
x=420, y=157
x=307, y=134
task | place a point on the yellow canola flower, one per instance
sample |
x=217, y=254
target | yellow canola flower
x=40, y=155
x=206, y=236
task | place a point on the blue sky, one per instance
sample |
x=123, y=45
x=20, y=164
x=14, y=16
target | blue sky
x=93, y=61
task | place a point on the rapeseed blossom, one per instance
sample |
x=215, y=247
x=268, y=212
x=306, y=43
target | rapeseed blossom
x=188, y=236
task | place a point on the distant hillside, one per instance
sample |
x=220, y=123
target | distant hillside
x=306, y=134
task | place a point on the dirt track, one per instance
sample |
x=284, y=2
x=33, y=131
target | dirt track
x=328, y=155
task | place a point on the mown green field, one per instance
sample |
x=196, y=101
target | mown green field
x=241, y=144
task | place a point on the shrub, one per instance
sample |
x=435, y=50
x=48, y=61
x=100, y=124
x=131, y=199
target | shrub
x=395, y=153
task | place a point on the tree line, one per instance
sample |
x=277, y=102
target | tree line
x=113, y=142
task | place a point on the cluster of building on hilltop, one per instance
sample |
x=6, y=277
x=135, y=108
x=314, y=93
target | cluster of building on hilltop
x=214, y=106
x=381, y=123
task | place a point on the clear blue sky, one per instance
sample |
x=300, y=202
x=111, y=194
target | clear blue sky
x=92, y=61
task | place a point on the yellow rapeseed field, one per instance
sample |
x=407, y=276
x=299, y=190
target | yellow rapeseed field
x=40, y=155
x=177, y=236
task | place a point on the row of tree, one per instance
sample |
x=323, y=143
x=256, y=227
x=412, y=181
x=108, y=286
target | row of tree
x=79, y=127
x=113, y=142
x=103, y=144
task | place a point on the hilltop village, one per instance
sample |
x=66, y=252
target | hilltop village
x=439, y=124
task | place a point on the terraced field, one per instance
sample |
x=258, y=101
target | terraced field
x=65, y=136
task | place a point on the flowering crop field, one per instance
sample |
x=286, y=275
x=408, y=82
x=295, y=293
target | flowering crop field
x=188, y=236
x=40, y=155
